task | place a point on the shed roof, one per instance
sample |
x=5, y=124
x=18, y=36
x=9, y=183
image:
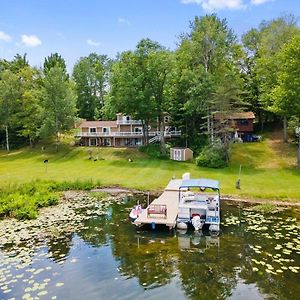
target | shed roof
x=201, y=182
x=181, y=148
x=234, y=116
x=98, y=124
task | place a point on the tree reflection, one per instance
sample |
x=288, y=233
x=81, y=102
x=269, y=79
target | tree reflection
x=207, y=267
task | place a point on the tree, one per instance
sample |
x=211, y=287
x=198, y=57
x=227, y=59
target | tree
x=59, y=103
x=91, y=77
x=29, y=116
x=130, y=91
x=267, y=42
x=159, y=66
x=285, y=95
x=9, y=96
x=139, y=84
x=251, y=42
x=206, y=55
x=55, y=60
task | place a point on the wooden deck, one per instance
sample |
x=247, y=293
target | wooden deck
x=168, y=198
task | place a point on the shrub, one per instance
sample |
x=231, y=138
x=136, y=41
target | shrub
x=26, y=212
x=153, y=150
x=45, y=199
x=212, y=157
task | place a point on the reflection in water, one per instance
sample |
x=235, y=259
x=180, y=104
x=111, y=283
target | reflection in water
x=255, y=256
x=197, y=241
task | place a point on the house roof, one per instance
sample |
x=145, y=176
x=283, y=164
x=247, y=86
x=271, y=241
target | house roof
x=98, y=124
x=234, y=116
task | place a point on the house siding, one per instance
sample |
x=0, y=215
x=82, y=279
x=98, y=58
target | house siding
x=120, y=133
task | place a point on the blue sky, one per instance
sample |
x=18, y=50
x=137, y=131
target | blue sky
x=75, y=28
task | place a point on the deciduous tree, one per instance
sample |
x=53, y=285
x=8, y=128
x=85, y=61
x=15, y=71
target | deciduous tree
x=59, y=103
x=91, y=77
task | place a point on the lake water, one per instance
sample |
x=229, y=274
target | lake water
x=256, y=256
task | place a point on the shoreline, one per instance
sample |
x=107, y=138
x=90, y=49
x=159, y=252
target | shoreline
x=116, y=190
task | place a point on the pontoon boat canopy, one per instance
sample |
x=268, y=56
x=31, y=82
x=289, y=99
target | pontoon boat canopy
x=201, y=182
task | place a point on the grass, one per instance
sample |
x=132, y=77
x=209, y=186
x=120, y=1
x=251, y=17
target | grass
x=267, y=171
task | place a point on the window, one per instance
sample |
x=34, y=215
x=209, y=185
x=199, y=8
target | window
x=107, y=142
x=93, y=142
x=166, y=119
x=243, y=122
x=128, y=142
x=93, y=129
x=137, y=142
x=106, y=129
x=137, y=129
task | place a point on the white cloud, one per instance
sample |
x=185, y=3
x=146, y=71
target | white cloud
x=92, y=43
x=215, y=5
x=259, y=2
x=30, y=40
x=125, y=21
x=4, y=37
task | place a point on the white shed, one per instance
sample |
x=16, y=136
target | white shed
x=181, y=154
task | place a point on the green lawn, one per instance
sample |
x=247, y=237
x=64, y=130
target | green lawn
x=268, y=170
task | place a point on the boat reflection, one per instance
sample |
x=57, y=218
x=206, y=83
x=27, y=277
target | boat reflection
x=186, y=240
x=197, y=241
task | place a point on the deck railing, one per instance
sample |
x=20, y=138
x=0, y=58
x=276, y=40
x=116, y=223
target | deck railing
x=129, y=122
x=167, y=134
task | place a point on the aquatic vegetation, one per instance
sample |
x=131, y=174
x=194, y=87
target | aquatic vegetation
x=86, y=242
x=24, y=201
x=265, y=208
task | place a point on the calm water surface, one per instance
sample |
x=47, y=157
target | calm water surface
x=256, y=256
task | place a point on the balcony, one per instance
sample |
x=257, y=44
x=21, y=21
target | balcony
x=167, y=134
x=129, y=122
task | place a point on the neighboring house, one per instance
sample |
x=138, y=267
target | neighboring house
x=241, y=123
x=123, y=132
x=181, y=154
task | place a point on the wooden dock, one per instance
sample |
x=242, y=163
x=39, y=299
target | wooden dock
x=164, y=209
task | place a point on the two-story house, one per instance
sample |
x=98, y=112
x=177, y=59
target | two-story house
x=123, y=132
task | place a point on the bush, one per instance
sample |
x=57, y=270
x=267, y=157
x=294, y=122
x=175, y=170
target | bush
x=153, y=150
x=212, y=157
x=45, y=199
x=27, y=212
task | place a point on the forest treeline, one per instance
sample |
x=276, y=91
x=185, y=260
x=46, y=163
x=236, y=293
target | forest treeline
x=210, y=71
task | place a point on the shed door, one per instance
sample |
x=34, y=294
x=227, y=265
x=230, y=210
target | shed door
x=177, y=154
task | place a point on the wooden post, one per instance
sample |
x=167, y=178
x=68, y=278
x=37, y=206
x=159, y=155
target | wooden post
x=238, y=183
x=7, y=140
x=298, y=134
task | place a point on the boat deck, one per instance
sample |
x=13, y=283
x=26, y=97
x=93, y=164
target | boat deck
x=168, y=199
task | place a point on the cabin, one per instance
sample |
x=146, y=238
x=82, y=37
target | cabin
x=240, y=122
x=122, y=132
x=181, y=154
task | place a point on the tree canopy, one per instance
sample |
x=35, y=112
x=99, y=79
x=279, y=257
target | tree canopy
x=209, y=71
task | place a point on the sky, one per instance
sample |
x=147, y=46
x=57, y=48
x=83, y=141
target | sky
x=76, y=28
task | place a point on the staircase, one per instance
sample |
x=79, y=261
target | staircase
x=154, y=139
